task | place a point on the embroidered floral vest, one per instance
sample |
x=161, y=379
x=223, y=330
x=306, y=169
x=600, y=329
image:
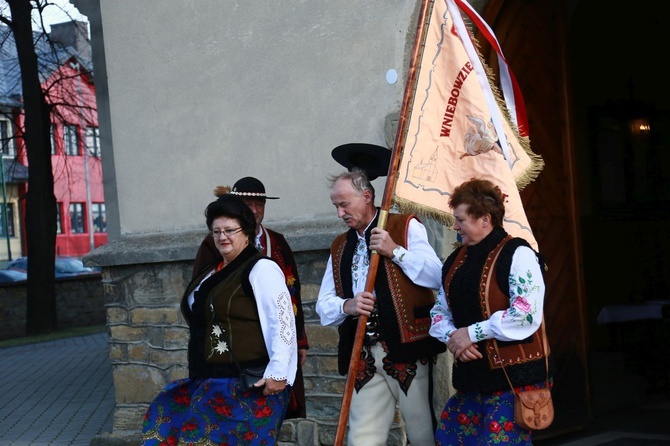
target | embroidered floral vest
x=234, y=322
x=224, y=318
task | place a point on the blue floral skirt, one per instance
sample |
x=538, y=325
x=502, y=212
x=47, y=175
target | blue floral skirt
x=213, y=412
x=475, y=419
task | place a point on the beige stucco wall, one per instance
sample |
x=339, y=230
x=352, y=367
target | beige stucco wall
x=203, y=93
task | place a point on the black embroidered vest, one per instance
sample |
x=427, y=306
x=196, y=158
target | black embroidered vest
x=224, y=317
x=464, y=272
x=404, y=307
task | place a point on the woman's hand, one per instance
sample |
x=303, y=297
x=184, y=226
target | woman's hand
x=461, y=347
x=272, y=387
x=470, y=354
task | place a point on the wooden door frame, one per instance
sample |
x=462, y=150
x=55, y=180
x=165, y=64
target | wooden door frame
x=501, y=15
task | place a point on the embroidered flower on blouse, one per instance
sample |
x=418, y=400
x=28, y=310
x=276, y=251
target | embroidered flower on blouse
x=479, y=332
x=521, y=304
x=521, y=287
x=217, y=331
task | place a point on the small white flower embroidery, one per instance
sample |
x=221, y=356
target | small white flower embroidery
x=221, y=347
x=218, y=346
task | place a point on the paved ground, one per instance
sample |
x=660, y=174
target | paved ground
x=56, y=393
x=645, y=425
x=61, y=393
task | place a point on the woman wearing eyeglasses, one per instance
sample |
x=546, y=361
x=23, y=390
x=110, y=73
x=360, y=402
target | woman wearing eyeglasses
x=240, y=317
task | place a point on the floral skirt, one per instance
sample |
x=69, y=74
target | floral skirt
x=475, y=419
x=213, y=412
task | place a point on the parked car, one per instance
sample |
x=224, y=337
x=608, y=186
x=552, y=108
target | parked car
x=11, y=276
x=65, y=266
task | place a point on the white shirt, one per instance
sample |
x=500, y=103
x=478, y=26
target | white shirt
x=275, y=311
x=257, y=240
x=419, y=263
x=526, y=292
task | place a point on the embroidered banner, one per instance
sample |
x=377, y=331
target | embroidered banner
x=458, y=128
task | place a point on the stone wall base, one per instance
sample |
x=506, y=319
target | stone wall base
x=79, y=303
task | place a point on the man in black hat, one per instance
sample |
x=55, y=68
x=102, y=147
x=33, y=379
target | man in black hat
x=274, y=245
x=396, y=362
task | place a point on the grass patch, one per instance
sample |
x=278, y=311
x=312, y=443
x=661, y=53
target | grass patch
x=60, y=334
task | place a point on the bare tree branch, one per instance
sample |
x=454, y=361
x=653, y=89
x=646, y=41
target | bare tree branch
x=38, y=59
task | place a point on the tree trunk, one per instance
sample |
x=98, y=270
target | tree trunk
x=41, y=314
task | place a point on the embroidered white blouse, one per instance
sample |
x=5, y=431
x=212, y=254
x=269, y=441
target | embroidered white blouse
x=419, y=263
x=276, y=317
x=520, y=320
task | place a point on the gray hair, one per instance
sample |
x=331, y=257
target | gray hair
x=359, y=180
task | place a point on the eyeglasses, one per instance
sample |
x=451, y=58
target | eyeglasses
x=216, y=233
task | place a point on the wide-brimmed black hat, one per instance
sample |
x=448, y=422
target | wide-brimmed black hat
x=250, y=187
x=372, y=159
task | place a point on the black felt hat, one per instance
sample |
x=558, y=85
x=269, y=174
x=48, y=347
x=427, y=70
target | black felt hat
x=372, y=159
x=250, y=187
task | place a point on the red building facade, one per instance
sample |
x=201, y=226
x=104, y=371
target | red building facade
x=75, y=159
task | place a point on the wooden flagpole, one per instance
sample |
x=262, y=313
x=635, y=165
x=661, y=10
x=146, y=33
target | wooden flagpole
x=410, y=82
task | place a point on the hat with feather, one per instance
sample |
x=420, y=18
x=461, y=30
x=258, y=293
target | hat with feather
x=249, y=187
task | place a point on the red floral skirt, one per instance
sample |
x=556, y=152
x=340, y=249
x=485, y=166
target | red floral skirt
x=213, y=412
x=475, y=419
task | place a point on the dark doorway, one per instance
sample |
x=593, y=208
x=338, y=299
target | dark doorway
x=622, y=142
x=598, y=115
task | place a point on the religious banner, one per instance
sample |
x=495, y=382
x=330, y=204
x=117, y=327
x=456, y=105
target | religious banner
x=459, y=128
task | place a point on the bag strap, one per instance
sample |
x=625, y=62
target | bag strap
x=494, y=340
x=544, y=350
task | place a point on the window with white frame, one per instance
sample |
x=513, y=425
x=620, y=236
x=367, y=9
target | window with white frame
x=93, y=141
x=7, y=220
x=6, y=143
x=71, y=139
x=99, y=217
x=77, y=225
